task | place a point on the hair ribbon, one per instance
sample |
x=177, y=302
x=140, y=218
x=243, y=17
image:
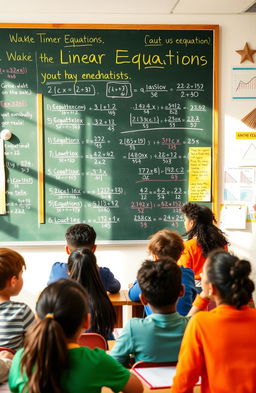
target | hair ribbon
x=49, y=315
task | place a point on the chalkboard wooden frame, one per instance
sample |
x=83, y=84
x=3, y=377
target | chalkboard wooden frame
x=131, y=27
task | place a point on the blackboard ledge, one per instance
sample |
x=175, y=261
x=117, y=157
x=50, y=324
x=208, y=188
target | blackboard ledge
x=62, y=243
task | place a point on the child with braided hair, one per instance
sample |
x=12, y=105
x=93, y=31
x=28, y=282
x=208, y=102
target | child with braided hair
x=220, y=345
x=203, y=236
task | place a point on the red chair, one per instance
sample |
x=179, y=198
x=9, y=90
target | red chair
x=7, y=349
x=92, y=340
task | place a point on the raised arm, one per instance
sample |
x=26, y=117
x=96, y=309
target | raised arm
x=134, y=292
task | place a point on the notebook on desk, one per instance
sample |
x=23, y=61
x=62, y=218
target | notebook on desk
x=157, y=377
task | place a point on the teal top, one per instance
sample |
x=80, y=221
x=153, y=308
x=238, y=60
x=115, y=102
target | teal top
x=156, y=338
x=89, y=370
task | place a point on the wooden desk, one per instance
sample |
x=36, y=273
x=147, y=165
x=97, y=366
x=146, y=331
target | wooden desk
x=118, y=300
x=121, y=299
x=137, y=307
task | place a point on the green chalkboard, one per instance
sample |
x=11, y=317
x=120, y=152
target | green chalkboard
x=121, y=105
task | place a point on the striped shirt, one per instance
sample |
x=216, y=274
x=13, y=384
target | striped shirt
x=15, y=318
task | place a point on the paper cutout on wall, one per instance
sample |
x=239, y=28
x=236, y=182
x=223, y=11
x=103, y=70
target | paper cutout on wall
x=199, y=188
x=233, y=216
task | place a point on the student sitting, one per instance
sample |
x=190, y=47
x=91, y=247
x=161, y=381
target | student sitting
x=203, y=236
x=15, y=317
x=52, y=361
x=157, y=337
x=80, y=236
x=166, y=243
x=82, y=267
x=220, y=345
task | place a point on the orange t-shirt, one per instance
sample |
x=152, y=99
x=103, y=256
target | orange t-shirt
x=192, y=257
x=219, y=346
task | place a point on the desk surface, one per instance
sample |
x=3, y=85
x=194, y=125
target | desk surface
x=121, y=298
x=118, y=299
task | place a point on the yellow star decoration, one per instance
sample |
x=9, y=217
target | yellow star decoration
x=246, y=53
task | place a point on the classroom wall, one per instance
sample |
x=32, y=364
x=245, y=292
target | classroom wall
x=124, y=259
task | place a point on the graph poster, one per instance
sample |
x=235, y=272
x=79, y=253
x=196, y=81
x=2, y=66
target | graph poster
x=239, y=185
x=199, y=174
x=244, y=83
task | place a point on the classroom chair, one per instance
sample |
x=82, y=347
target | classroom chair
x=7, y=349
x=92, y=340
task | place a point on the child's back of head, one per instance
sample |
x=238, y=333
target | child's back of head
x=160, y=282
x=157, y=337
x=201, y=225
x=80, y=236
x=53, y=362
x=11, y=264
x=82, y=267
x=166, y=243
x=61, y=309
x=15, y=317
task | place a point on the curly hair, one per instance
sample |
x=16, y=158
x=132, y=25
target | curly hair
x=160, y=282
x=209, y=236
x=230, y=275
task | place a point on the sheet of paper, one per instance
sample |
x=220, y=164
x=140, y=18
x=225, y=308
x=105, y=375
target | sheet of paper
x=157, y=376
x=233, y=216
x=200, y=172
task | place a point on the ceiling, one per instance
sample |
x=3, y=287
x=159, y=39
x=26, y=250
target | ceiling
x=167, y=7
x=164, y=7
x=138, y=7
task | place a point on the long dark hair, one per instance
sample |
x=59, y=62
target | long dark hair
x=209, y=236
x=230, y=275
x=61, y=307
x=82, y=267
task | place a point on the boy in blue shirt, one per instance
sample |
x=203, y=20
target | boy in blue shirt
x=83, y=236
x=157, y=337
x=164, y=244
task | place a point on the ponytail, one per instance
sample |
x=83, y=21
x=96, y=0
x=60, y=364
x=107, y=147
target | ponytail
x=45, y=357
x=61, y=309
x=83, y=268
x=230, y=276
